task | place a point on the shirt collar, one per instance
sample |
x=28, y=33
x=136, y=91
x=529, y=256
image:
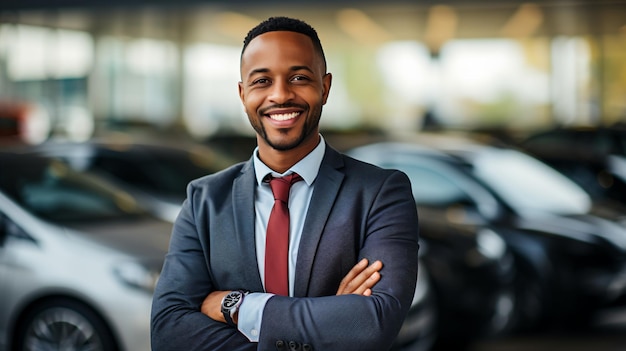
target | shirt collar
x=307, y=168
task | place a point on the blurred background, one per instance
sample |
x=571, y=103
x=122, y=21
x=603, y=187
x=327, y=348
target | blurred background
x=101, y=73
x=86, y=67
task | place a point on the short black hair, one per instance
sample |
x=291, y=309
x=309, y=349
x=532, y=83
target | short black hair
x=282, y=23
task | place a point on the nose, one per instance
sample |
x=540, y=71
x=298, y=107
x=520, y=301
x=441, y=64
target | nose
x=281, y=92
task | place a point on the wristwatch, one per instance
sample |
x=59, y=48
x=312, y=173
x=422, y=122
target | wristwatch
x=231, y=303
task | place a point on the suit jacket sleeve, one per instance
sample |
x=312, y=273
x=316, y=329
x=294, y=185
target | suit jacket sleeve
x=177, y=323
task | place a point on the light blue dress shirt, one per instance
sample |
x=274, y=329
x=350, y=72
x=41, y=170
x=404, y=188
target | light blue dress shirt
x=251, y=310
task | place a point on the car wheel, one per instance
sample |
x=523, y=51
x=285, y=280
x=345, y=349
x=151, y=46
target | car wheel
x=63, y=324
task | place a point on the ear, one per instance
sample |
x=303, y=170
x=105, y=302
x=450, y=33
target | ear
x=326, y=82
x=240, y=87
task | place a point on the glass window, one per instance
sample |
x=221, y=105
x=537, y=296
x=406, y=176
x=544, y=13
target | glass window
x=211, y=100
x=489, y=82
x=37, y=53
x=137, y=80
x=430, y=187
x=48, y=189
x=528, y=185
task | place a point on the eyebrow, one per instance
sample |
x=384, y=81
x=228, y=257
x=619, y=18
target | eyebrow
x=292, y=68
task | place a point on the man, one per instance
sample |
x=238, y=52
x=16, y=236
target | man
x=353, y=241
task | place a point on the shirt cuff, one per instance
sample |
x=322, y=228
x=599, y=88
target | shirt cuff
x=251, y=315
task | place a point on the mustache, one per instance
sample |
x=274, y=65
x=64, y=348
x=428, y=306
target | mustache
x=264, y=110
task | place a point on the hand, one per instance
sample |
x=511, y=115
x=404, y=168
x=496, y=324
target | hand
x=212, y=306
x=361, y=278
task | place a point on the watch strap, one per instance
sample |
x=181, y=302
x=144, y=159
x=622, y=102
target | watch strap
x=229, y=318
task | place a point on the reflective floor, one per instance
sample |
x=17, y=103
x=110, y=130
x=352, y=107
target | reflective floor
x=608, y=334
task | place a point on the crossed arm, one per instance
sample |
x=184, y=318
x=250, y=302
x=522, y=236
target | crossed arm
x=359, y=281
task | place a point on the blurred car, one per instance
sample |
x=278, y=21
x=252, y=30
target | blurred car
x=569, y=259
x=593, y=157
x=78, y=260
x=469, y=267
x=156, y=173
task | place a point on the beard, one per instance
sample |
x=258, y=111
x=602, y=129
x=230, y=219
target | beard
x=309, y=128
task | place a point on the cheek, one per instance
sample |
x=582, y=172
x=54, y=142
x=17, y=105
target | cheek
x=252, y=101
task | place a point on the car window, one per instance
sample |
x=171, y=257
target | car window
x=529, y=185
x=161, y=172
x=50, y=190
x=430, y=187
x=600, y=141
x=61, y=200
x=550, y=141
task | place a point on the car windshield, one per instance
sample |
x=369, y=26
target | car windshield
x=164, y=171
x=528, y=185
x=50, y=190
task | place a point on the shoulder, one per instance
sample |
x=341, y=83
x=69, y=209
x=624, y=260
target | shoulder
x=360, y=176
x=352, y=166
x=219, y=180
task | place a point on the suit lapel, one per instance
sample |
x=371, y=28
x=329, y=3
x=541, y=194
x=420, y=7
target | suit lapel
x=244, y=188
x=327, y=185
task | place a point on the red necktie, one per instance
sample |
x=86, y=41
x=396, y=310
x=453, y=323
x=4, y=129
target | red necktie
x=277, y=237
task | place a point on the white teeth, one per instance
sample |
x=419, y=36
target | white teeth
x=284, y=116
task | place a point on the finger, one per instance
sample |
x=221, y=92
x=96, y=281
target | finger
x=363, y=280
x=368, y=284
x=354, y=278
x=367, y=279
x=361, y=285
x=354, y=272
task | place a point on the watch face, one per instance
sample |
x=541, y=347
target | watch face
x=231, y=299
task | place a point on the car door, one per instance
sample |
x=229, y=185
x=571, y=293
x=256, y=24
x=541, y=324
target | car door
x=19, y=254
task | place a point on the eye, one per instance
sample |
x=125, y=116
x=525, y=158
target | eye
x=260, y=81
x=300, y=78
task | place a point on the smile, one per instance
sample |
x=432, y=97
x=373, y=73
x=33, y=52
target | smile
x=284, y=116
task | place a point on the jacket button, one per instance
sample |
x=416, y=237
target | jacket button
x=306, y=347
x=294, y=346
x=280, y=345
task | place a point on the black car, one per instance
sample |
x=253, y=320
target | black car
x=470, y=266
x=154, y=172
x=593, y=157
x=569, y=259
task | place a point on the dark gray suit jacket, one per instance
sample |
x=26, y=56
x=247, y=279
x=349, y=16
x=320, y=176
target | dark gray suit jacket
x=357, y=210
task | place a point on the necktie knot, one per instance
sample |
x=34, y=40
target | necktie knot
x=281, y=186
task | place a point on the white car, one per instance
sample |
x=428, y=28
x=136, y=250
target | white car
x=78, y=260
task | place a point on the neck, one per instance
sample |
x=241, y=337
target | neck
x=281, y=160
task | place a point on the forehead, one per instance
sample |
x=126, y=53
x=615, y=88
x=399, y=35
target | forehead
x=279, y=46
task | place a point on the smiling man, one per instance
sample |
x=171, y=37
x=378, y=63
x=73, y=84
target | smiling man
x=336, y=272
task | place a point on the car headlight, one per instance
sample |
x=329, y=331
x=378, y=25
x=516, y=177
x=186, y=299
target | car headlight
x=490, y=244
x=136, y=275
